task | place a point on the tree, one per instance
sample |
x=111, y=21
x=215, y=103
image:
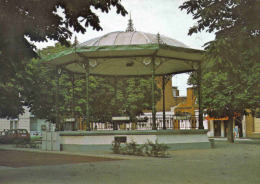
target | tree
x=37, y=20
x=232, y=82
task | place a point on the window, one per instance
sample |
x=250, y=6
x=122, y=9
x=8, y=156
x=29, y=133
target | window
x=196, y=101
x=13, y=124
x=175, y=92
x=11, y=132
x=22, y=132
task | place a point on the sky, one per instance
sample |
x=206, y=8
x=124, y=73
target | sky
x=150, y=16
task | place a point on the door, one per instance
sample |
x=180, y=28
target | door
x=217, y=128
x=239, y=125
x=225, y=127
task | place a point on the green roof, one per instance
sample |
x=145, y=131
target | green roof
x=127, y=60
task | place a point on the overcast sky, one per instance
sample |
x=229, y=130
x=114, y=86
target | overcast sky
x=151, y=16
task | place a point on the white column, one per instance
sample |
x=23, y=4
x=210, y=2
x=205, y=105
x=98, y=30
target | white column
x=244, y=126
x=222, y=129
x=211, y=131
x=205, y=124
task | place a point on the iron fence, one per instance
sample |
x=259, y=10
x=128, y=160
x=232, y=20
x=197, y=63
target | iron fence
x=143, y=122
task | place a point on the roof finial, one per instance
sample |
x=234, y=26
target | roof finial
x=158, y=39
x=130, y=25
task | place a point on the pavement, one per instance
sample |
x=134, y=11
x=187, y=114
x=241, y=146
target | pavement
x=103, y=154
x=226, y=163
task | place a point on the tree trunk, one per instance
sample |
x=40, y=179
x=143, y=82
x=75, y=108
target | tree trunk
x=230, y=133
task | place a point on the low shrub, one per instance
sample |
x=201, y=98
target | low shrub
x=156, y=149
x=148, y=149
x=116, y=147
x=132, y=148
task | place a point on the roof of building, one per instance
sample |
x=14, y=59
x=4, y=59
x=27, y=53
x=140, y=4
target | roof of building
x=131, y=38
x=128, y=53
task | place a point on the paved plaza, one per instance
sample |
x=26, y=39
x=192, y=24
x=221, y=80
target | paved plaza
x=227, y=163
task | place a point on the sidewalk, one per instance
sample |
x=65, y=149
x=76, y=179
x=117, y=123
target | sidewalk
x=104, y=154
x=226, y=163
x=240, y=140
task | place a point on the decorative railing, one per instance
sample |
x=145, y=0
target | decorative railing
x=139, y=122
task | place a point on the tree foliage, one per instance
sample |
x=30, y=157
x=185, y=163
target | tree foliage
x=232, y=83
x=38, y=20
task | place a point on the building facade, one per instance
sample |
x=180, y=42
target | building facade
x=252, y=126
x=27, y=121
x=219, y=127
x=187, y=113
x=22, y=122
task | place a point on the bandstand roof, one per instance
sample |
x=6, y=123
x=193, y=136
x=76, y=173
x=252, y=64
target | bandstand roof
x=128, y=54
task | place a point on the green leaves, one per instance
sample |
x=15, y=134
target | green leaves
x=232, y=83
x=30, y=20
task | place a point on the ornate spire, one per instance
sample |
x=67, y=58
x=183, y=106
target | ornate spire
x=158, y=39
x=130, y=25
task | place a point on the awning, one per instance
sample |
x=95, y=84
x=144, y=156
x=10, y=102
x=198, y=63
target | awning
x=224, y=118
x=216, y=119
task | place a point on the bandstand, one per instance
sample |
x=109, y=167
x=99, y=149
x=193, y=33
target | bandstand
x=130, y=53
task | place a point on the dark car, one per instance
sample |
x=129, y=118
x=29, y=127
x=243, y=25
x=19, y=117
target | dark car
x=15, y=135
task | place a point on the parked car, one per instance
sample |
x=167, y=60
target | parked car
x=12, y=136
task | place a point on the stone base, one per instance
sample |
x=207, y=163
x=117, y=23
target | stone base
x=102, y=140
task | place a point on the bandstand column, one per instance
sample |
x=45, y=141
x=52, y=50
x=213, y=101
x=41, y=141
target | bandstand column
x=86, y=66
x=163, y=88
x=200, y=97
x=153, y=99
x=115, y=113
x=73, y=103
x=57, y=118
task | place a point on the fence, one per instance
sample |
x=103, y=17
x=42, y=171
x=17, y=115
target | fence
x=140, y=122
